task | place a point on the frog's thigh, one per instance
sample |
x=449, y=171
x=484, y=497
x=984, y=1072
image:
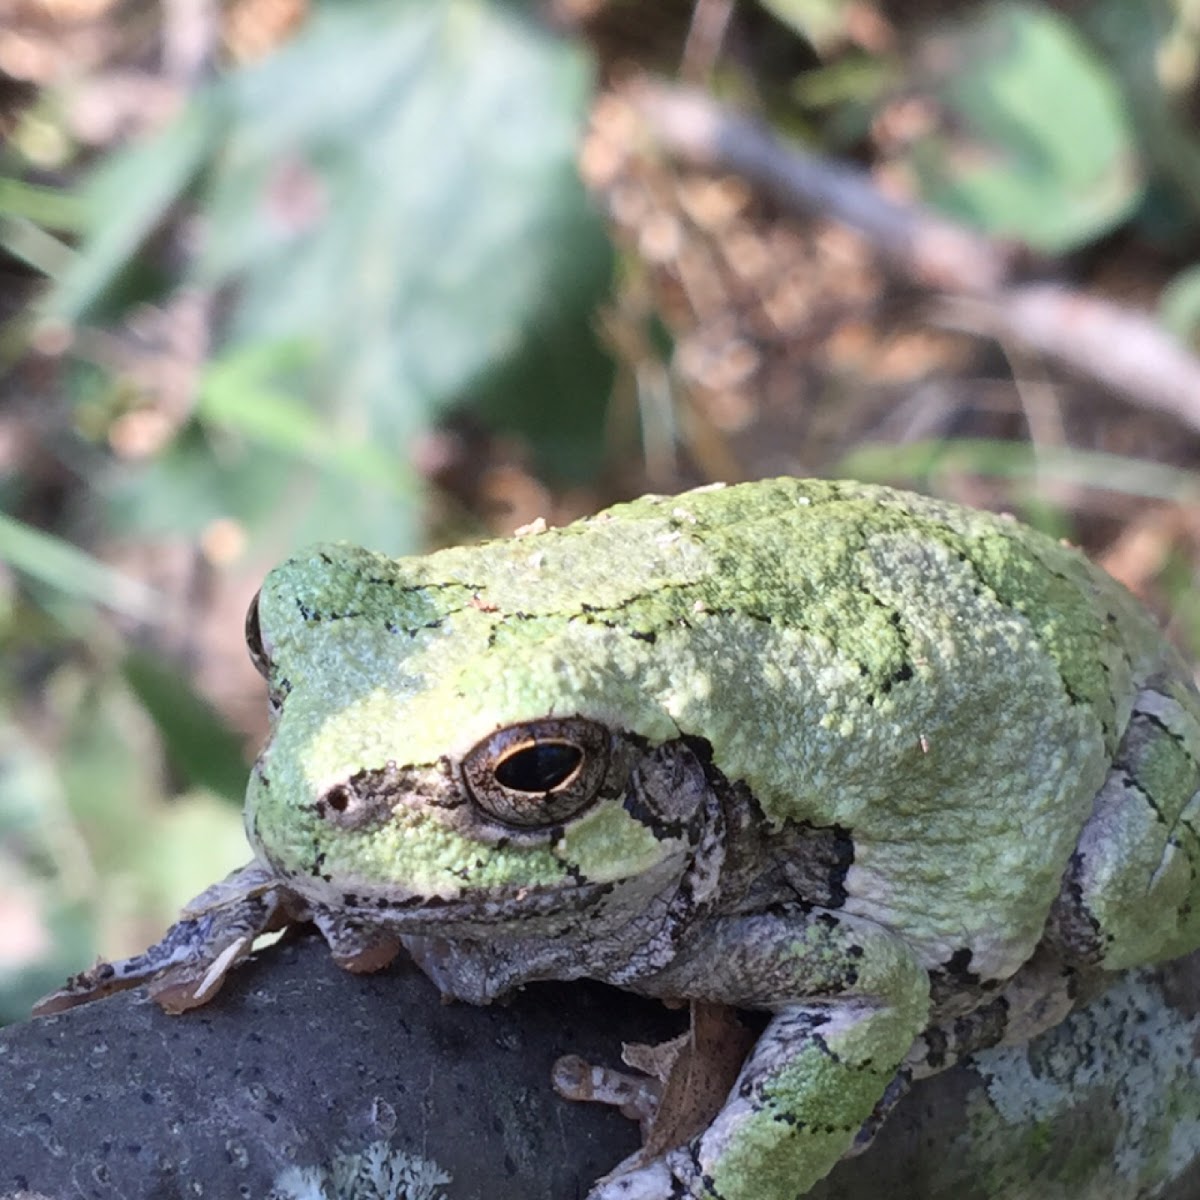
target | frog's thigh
x=849, y=1000
x=1131, y=892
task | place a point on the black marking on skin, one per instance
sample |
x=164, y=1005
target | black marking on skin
x=413, y=630
x=978, y=587
x=588, y=613
x=1074, y=929
x=315, y=615
x=905, y=671
x=1073, y=982
x=1108, y=727
x=488, y=907
x=710, y=1184
x=679, y=1191
x=574, y=874
x=894, y=1092
x=959, y=964
x=981, y=1028
x=936, y=1045
x=636, y=806
x=1130, y=783
x=367, y=798
x=412, y=589
x=953, y=979
x=1141, y=714
x=814, y=860
x=839, y=867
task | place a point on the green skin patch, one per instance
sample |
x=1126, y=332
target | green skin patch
x=843, y=753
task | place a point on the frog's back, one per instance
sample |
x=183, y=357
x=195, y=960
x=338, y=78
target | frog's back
x=948, y=687
x=977, y=704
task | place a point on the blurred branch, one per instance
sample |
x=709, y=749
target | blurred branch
x=1119, y=347
x=975, y=278
x=936, y=253
x=298, y=1063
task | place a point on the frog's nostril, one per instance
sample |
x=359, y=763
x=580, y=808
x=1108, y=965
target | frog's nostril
x=339, y=798
x=364, y=799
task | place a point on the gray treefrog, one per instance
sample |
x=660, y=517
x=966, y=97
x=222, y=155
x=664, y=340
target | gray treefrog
x=905, y=775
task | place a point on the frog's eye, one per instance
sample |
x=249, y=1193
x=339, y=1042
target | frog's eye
x=539, y=773
x=254, y=642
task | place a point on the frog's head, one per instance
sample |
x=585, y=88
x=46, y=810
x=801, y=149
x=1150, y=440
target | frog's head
x=440, y=755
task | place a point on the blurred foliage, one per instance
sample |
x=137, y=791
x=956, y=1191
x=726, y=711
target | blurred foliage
x=258, y=318
x=392, y=227
x=1011, y=157
x=406, y=233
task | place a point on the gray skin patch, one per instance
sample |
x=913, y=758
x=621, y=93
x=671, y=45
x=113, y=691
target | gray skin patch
x=1127, y=893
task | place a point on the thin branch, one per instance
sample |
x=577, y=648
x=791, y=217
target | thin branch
x=297, y=1064
x=710, y=21
x=1125, y=350
x=937, y=253
x=974, y=278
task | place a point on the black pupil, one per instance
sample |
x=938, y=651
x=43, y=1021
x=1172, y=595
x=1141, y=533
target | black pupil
x=538, y=768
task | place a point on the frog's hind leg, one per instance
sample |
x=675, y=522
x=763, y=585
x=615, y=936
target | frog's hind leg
x=1131, y=892
x=847, y=999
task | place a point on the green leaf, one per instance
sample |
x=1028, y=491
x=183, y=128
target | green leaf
x=925, y=460
x=51, y=208
x=44, y=873
x=413, y=216
x=392, y=212
x=198, y=742
x=68, y=569
x=244, y=392
x=125, y=200
x=821, y=22
x=1035, y=142
x=1179, y=305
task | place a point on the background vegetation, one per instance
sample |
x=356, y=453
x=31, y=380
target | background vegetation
x=409, y=272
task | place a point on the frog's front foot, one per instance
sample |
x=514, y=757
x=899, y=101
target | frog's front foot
x=187, y=967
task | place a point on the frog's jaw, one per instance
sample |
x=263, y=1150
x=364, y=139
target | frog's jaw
x=480, y=946
x=421, y=899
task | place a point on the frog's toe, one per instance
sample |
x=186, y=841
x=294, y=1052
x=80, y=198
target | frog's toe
x=652, y=1182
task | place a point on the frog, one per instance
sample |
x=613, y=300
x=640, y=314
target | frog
x=908, y=777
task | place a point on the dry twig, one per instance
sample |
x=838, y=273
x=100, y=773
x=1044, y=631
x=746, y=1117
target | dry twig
x=975, y=279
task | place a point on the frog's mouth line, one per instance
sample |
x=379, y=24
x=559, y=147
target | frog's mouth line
x=482, y=906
